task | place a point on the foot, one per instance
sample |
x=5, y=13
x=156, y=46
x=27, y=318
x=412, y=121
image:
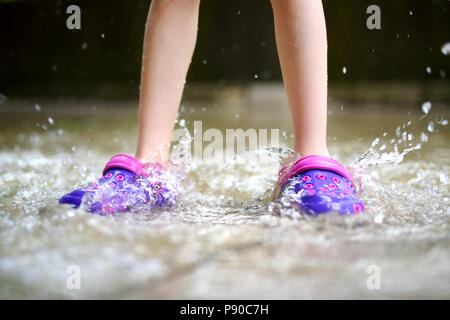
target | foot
x=318, y=184
x=126, y=183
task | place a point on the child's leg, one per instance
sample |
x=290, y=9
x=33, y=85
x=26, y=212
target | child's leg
x=302, y=48
x=315, y=182
x=169, y=43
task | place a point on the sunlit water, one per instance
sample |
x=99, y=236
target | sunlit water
x=225, y=238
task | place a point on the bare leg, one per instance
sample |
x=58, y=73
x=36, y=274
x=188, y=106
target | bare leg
x=169, y=43
x=302, y=48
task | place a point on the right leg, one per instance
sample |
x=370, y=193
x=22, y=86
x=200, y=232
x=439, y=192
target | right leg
x=169, y=43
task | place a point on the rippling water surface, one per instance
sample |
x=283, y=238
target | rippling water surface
x=225, y=239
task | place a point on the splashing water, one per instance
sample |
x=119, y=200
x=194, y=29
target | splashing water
x=221, y=239
x=156, y=187
x=377, y=196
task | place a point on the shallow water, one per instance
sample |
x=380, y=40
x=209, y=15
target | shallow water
x=225, y=239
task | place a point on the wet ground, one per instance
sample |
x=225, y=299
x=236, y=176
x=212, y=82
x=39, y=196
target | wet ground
x=225, y=239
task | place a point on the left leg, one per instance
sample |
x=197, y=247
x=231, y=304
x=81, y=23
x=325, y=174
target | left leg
x=315, y=182
x=302, y=48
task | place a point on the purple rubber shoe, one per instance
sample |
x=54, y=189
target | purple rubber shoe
x=126, y=183
x=318, y=184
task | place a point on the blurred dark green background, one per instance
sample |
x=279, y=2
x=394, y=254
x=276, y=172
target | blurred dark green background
x=40, y=56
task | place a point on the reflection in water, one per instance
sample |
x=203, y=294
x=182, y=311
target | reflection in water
x=224, y=239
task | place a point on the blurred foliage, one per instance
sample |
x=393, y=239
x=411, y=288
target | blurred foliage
x=235, y=42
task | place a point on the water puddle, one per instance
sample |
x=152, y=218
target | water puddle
x=223, y=237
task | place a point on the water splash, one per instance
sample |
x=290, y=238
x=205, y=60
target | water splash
x=156, y=187
x=386, y=153
x=377, y=195
x=221, y=210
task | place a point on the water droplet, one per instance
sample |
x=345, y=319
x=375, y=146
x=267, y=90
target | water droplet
x=428, y=70
x=74, y=148
x=51, y=121
x=426, y=107
x=404, y=136
x=205, y=62
x=423, y=137
x=102, y=35
x=430, y=126
x=446, y=49
x=410, y=13
x=255, y=76
x=344, y=70
x=379, y=218
x=375, y=142
x=237, y=115
x=37, y=108
x=443, y=122
x=182, y=122
x=84, y=46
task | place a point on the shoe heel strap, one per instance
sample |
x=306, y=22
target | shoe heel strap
x=312, y=162
x=126, y=162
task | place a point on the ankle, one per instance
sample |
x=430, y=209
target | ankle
x=152, y=157
x=303, y=152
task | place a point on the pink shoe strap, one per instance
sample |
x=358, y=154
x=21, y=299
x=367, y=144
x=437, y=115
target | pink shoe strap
x=312, y=162
x=126, y=162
